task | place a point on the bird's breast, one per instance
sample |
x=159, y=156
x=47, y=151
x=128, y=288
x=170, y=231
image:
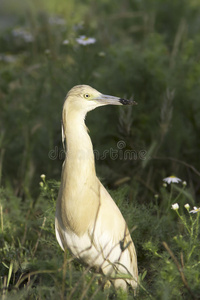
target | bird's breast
x=79, y=206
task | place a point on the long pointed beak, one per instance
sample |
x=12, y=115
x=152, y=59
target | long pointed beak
x=106, y=99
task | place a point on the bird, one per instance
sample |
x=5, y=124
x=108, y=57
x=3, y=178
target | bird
x=88, y=222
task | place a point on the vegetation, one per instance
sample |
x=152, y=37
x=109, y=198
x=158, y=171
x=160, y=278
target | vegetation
x=145, y=49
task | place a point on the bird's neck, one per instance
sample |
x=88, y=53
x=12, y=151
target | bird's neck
x=79, y=184
x=80, y=156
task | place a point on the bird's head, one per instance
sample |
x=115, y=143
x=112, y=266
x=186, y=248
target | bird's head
x=84, y=98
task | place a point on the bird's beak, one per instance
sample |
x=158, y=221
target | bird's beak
x=106, y=99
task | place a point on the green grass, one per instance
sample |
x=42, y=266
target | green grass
x=146, y=50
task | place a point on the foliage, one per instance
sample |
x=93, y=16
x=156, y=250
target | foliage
x=148, y=50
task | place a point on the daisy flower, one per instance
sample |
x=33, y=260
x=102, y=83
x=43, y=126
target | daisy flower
x=84, y=40
x=195, y=210
x=175, y=206
x=172, y=179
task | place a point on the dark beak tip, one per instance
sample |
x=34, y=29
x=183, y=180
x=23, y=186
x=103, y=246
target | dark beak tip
x=127, y=102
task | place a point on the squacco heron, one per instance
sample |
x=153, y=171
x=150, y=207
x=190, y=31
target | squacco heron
x=88, y=222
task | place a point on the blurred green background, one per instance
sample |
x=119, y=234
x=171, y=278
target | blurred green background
x=148, y=50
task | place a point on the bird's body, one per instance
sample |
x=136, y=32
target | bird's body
x=88, y=222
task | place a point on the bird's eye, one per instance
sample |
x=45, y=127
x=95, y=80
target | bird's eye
x=86, y=96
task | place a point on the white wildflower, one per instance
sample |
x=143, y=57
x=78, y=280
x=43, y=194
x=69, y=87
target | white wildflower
x=83, y=40
x=175, y=206
x=172, y=179
x=187, y=206
x=43, y=176
x=195, y=210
